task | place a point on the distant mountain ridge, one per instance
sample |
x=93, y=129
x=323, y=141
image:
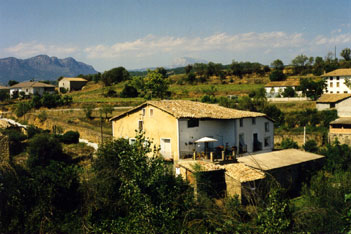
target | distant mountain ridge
x=41, y=67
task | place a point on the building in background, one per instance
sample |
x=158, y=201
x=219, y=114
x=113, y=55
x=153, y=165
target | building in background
x=71, y=83
x=31, y=88
x=336, y=81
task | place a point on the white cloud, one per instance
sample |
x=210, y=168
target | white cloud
x=333, y=40
x=24, y=50
x=151, y=44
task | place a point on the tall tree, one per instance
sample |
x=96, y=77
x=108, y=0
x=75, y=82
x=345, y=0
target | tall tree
x=346, y=54
x=155, y=85
x=115, y=75
x=277, y=64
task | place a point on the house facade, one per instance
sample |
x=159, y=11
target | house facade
x=276, y=88
x=72, y=83
x=175, y=125
x=340, y=129
x=31, y=88
x=336, y=81
x=341, y=102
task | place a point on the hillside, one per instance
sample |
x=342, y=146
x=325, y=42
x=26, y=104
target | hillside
x=41, y=67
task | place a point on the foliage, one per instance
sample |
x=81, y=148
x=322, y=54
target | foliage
x=327, y=116
x=4, y=95
x=32, y=131
x=132, y=189
x=345, y=53
x=88, y=110
x=299, y=63
x=110, y=93
x=50, y=100
x=208, y=99
x=63, y=90
x=277, y=64
x=312, y=89
x=289, y=92
x=43, y=115
x=106, y=109
x=16, y=138
x=70, y=137
x=114, y=76
x=12, y=82
x=288, y=143
x=129, y=91
x=276, y=216
x=338, y=157
x=277, y=75
x=310, y=146
x=155, y=86
x=22, y=108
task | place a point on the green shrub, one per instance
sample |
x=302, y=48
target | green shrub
x=311, y=146
x=129, y=91
x=70, y=137
x=288, y=143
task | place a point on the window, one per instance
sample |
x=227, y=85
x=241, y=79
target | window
x=141, y=125
x=253, y=121
x=132, y=141
x=337, y=92
x=266, y=126
x=331, y=85
x=345, y=91
x=143, y=111
x=337, y=78
x=151, y=112
x=267, y=141
x=337, y=84
x=193, y=123
x=241, y=122
x=331, y=78
x=331, y=91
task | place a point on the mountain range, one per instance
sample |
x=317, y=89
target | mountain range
x=41, y=67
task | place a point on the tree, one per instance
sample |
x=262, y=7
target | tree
x=188, y=68
x=345, y=53
x=289, y=92
x=310, y=146
x=277, y=64
x=115, y=75
x=22, y=108
x=277, y=75
x=299, y=63
x=288, y=143
x=12, y=82
x=162, y=71
x=237, y=69
x=155, y=85
x=129, y=91
x=312, y=89
x=88, y=110
x=70, y=137
x=106, y=109
x=4, y=95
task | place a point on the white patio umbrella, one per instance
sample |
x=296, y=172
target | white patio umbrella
x=206, y=139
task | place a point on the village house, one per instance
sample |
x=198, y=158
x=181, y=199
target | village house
x=336, y=81
x=71, y=83
x=31, y=88
x=176, y=125
x=341, y=102
x=276, y=88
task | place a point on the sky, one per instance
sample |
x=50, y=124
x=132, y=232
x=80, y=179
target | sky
x=152, y=33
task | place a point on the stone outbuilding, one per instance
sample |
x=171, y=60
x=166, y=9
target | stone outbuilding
x=71, y=83
x=341, y=102
x=340, y=129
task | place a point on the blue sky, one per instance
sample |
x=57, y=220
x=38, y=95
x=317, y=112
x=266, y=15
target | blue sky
x=149, y=33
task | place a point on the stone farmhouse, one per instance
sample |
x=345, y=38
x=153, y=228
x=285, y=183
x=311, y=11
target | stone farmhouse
x=31, y=88
x=71, y=83
x=341, y=102
x=175, y=125
x=235, y=140
x=276, y=88
x=336, y=81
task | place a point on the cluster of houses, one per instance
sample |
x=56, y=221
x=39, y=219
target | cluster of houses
x=66, y=84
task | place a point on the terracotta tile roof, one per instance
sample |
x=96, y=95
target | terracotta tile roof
x=344, y=120
x=74, y=79
x=4, y=87
x=198, y=110
x=339, y=72
x=332, y=98
x=278, y=159
x=30, y=84
x=237, y=171
x=285, y=83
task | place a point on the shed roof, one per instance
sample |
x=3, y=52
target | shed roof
x=74, y=79
x=278, y=159
x=199, y=110
x=237, y=171
x=285, y=83
x=3, y=87
x=343, y=120
x=332, y=98
x=30, y=84
x=339, y=72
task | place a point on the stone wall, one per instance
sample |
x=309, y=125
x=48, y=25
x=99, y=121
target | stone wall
x=4, y=149
x=343, y=138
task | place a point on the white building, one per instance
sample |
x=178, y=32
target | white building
x=336, y=81
x=276, y=88
x=31, y=87
x=72, y=83
x=175, y=125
